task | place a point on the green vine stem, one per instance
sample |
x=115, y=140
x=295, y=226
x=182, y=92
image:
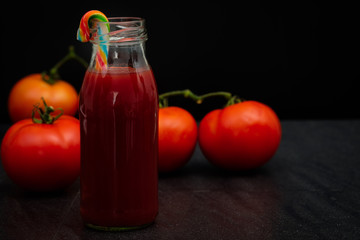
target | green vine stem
x=53, y=75
x=45, y=114
x=163, y=98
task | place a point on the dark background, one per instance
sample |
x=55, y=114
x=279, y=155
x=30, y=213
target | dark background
x=301, y=59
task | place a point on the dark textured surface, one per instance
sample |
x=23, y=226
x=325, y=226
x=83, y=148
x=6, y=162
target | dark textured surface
x=309, y=190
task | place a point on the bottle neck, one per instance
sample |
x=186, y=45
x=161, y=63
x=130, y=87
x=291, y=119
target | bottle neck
x=120, y=42
x=121, y=55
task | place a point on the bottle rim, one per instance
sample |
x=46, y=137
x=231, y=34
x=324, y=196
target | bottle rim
x=119, y=30
x=126, y=20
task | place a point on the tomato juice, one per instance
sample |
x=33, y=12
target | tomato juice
x=119, y=147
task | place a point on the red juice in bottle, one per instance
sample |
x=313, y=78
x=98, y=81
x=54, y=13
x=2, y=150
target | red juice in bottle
x=119, y=119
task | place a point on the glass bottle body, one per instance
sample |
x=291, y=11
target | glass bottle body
x=119, y=145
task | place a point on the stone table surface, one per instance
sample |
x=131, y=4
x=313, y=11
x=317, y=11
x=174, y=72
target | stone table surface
x=310, y=189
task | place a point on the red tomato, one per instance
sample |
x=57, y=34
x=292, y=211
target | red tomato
x=42, y=157
x=177, y=138
x=27, y=92
x=239, y=137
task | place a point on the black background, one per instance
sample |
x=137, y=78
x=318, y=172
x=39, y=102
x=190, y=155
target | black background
x=300, y=59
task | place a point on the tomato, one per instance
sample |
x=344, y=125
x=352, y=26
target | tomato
x=177, y=138
x=27, y=92
x=241, y=136
x=42, y=157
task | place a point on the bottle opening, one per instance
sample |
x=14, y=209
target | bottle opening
x=121, y=30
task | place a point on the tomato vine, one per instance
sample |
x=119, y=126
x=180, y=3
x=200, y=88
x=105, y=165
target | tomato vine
x=187, y=93
x=53, y=75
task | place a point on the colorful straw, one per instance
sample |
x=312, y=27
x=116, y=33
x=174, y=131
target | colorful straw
x=84, y=35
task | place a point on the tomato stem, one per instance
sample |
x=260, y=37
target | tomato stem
x=163, y=98
x=45, y=114
x=53, y=74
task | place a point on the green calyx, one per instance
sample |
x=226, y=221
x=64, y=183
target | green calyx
x=45, y=114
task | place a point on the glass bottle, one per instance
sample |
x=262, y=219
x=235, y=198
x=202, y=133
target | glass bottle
x=119, y=129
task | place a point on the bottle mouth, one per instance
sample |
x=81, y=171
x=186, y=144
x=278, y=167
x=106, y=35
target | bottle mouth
x=119, y=30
